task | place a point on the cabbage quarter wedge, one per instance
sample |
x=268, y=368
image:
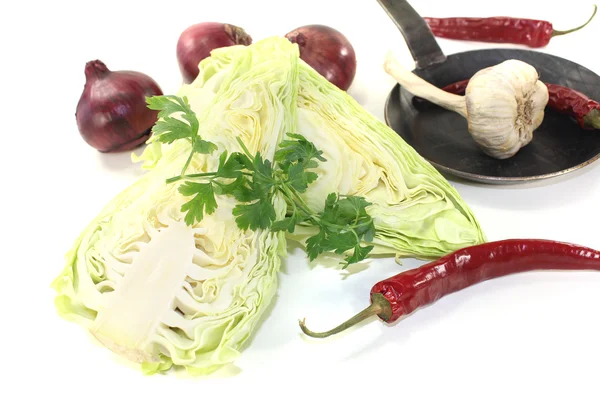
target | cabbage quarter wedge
x=159, y=292
x=416, y=212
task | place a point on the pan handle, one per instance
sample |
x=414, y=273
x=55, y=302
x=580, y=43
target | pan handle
x=421, y=42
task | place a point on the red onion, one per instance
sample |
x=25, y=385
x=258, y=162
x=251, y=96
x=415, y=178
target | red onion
x=112, y=114
x=328, y=51
x=196, y=42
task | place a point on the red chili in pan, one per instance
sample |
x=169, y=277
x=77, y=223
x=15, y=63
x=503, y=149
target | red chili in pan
x=411, y=290
x=529, y=32
x=575, y=104
x=561, y=99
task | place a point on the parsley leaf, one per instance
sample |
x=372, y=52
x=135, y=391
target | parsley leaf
x=169, y=128
x=359, y=254
x=238, y=188
x=288, y=223
x=260, y=214
x=299, y=179
x=339, y=242
x=295, y=157
x=257, y=215
x=343, y=224
x=204, y=147
x=231, y=167
x=203, y=201
x=330, y=211
x=263, y=174
x=352, y=210
x=168, y=104
x=314, y=245
x=299, y=150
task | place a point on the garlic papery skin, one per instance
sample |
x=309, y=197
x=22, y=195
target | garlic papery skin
x=503, y=104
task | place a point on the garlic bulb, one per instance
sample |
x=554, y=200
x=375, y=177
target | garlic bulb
x=503, y=104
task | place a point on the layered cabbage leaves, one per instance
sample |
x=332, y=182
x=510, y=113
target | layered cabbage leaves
x=161, y=292
x=417, y=212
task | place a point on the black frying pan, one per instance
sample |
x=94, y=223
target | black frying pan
x=559, y=145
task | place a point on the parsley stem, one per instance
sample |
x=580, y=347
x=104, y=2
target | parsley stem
x=189, y=160
x=202, y=175
x=244, y=148
x=306, y=209
x=359, y=225
x=356, y=236
x=253, y=160
x=357, y=217
x=294, y=207
x=349, y=227
x=290, y=195
x=179, y=177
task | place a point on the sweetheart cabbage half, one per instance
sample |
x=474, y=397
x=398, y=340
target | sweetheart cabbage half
x=160, y=292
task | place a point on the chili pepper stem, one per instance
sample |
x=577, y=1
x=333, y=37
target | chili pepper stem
x=379, y=306
x=559, y=33
x=592, y=119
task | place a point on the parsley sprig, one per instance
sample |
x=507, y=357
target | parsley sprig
x=344, y=223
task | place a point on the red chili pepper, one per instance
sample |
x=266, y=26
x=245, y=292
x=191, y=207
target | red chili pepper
x=574, y=104
x=529, y=32
x=457, y=87
x=561, y=99
x=411, y=290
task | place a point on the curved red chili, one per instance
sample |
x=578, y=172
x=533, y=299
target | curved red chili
x=575, y=104
x=561, y=99
x=529, y=32
x=411, y=290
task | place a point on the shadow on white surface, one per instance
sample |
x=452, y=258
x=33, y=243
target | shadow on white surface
x=575, y=175
x=121, y=162
x=225, y=372
x=548, y=193
x=331, y=260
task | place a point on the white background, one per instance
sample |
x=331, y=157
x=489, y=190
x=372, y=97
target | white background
x=533, y=336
